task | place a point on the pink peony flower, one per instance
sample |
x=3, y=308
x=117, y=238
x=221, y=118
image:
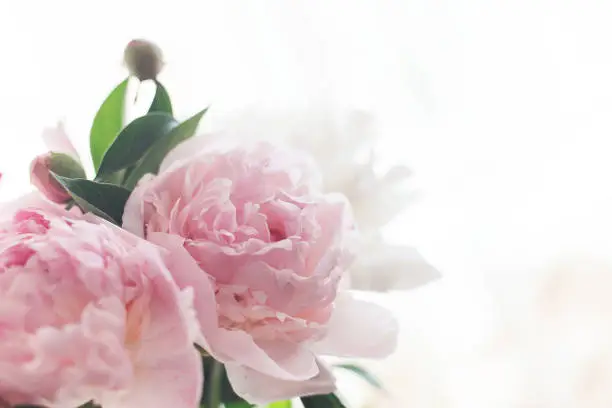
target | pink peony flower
x=62, y=158
x=269, y=251
x=344, y=143
x=89, y=311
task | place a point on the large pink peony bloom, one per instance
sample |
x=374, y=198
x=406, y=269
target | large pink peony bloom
x=272, y=250
x=89, y=311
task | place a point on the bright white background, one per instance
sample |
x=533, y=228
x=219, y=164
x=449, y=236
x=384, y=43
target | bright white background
x=502, y=109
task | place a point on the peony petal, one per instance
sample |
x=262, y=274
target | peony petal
x=287, y=291
x=391, y=267
x=186, y=273
x=278, y=358
x=167, y=331
x=31, y=200
x=358, y=329
x=262, y=389
x=57, y=141
x=176, y=381
x=133, y=213
x=166, y=360
x=281, y=359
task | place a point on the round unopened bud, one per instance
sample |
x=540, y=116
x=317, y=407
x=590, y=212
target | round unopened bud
x=41, y=175
x=144, y=59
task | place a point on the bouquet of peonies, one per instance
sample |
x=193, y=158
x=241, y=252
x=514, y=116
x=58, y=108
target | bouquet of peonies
x=188, y=272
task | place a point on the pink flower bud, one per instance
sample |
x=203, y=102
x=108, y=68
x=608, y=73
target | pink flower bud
x=43, y=180
x=62, y=160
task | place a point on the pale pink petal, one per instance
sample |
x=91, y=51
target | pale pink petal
x=56, y=139
x=262, y=389
x=358, y=329
x=395, y=267
x=134, y=211
x=166, y=361
x=30, y=200
x=186, y=273
x=175, y=382
x=281, y=359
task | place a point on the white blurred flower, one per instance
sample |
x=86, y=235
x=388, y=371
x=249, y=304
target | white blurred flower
x=343, y=143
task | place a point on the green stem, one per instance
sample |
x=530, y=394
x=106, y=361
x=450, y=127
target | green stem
x=215, y=378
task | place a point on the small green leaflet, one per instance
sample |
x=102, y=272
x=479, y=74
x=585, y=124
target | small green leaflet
x=161, y=101
x=102, y=199
x=363, y=373
x=153, y=158
x=280, y=404
x=134, y=141
x=107, y=123
x=322, y=401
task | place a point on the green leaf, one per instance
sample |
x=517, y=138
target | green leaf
x=104, y=200
x=322, y=401
x=280, y=404
x=134, y=141
x=107, y=123
x=153, y=158
x=363, y=373
x=161, y=101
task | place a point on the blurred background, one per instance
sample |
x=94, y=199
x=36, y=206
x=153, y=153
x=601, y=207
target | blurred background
x=500, y=109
